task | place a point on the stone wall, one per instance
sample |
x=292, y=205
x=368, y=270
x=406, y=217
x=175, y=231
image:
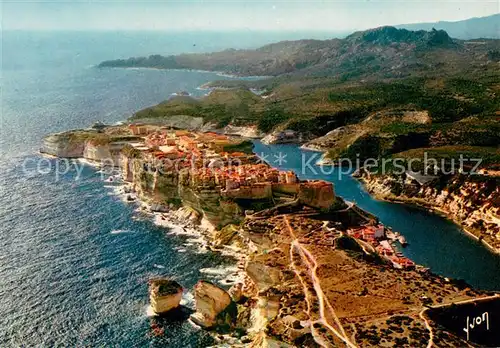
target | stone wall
x=256, y=191
x=317, y=194
x=286, y=188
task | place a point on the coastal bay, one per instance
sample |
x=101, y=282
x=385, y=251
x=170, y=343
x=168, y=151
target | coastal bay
x=434, y=241
x=74, y=257
x=281, y=225
x=83, y=256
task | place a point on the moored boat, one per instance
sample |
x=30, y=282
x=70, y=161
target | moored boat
x=402, y=240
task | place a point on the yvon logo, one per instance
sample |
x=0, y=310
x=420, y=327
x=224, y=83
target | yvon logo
x=480, y=320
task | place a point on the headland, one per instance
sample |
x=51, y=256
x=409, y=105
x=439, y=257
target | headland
x=314, y=270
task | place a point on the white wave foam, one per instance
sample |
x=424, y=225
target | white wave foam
x=112, y=179
x=175, y=229
x=119, y=231
x=193, y=241
x=193, y=324
x=89, y=163
x=187, y=299
x=150, y=312
x=118, y=190
x=224, y=275
x=232, y=251
x=219, y=271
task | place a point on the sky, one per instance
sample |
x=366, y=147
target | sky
x=229, y=15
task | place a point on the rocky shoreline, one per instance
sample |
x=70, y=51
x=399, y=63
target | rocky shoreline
x=267, y=296
x=269, y=303
x=304, y=277
x=469, y=204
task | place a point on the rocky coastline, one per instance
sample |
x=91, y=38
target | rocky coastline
x=470, y=202
x=304, y=278
x=273, y=302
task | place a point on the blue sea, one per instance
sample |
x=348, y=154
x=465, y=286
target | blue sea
x=74, y=258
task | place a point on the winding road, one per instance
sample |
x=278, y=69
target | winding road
x=312, y=265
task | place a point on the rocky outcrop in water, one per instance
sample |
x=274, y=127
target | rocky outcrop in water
x=164, y=295
x=211, y=303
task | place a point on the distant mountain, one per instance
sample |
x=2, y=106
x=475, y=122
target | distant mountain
x=473, y=28
x=385, y=36
x=380, y=53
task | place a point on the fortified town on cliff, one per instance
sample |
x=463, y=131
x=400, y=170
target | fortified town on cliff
x=313, y=268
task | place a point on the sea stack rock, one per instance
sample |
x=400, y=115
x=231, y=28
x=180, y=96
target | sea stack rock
x=164, y=294
x=210, y=301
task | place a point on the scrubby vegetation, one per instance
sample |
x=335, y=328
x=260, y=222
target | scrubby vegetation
x=489, y=156
x=384, y=52
x=79, y=137
x=245, y=147
x=320, y=86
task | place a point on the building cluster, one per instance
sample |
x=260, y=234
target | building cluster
x=212, y=163
x=235, y=174
x=214, y=170
x=234, y=177
x=166, y=145
x=376, y=236
x=250, y=181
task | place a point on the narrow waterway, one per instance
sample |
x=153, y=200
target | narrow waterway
x=434, y=241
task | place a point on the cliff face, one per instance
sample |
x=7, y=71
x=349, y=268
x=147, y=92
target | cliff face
x=178, y=187
x=149, y=116
x=219, y=207
x=92, y=146
x=215, y=209
x=473, y=202
x=105, y=152
x=211, y=301
x=60, y=145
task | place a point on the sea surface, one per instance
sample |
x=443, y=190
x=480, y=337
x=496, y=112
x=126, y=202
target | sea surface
x=74, y=257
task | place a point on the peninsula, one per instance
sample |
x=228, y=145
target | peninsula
x=315, y=270
x=383, y=93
